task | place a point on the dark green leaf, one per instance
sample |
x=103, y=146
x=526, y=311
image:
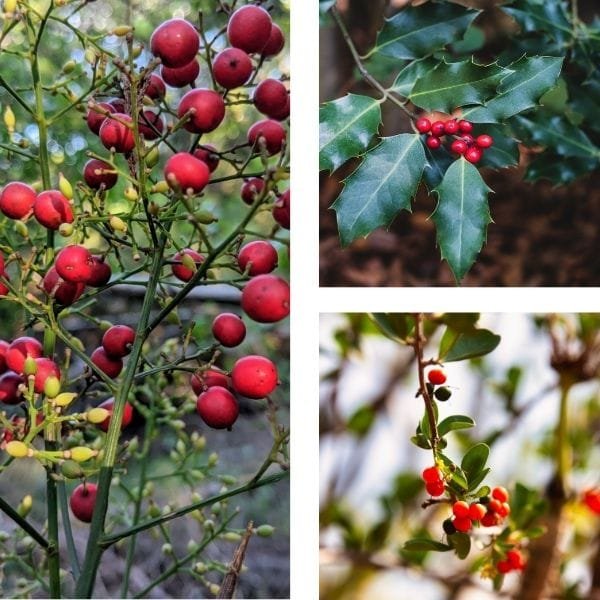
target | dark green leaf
x=421, y=441
x=505, y=151
x=408, y=75
x=461, y=216
x=477, y=479
x=458, y=477
x=396, y=326
x=416, y=32
x=473, y=40
x=549, y=16
x=448, y=340
x=455, y=422
x=438, y=162
x=461, y=322
x=383, y=184
x=361, y=421
x=558, y=170
x=425, y=545
x=471, y=345
x=555, y=100
x=346, y=128
x=474, y=460
x=461, y=543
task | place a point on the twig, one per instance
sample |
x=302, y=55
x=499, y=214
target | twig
x=230, y=580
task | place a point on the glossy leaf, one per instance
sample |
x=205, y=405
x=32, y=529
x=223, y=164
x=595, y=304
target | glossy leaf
x=454, y=423
x=472, y=344
x=346, y=128
x=474, y=460
x=461, y=216
x=396, y=326
x=531, y=79
x=461, y=543
x=558, y=170
x=383, y=184
x=460, y=321
x=451, y=85
x=408, y=76
x=548, y=16
x=475, y=480
x=438, y=162
x=424, y=545
x=505, y=150
x=417, y=31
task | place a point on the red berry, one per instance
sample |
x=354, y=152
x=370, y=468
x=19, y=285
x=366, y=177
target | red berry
x=276, y=42
x=431, y=474
x=184, y=172
x=181, y=76
x=229, y=329
x=95, y=119
x=500, y=493
x=208, y=107
x=119, y=105
x=271, y=98
x=74, y=263
x=459, y=146
x=118, y=340
x=269, y=132
x=435, y=488
x=17, y=199
x=45, y=368
x=101, y=272
x=52, y=209
x=515, y=559
x=203, y=380
x=495, y=505
x=473, y=154
x=468, y=138
x=477, y=511
x=182, y=272
x=3, y=348
x=116, y=134
x=254, y=376
x=97, y=173
x=64, y=292
x=465, y=126
x=436, y=376
x=3, y=287
x=207, y=154
x=462, y=524
x=249, y=28
x=484, y=141
x=489, y=520
x=176, y=42
x=21, y=349
x=218, y=408
x=150, y=125
x=266, y=298
x=423, y=125
x=438, y=128
x=433, y=142
x=460, y=509
x=260, y=256
x=109, y=406
x=9, y=388
x=83, y=500
x=156, y=88
x=504, y=510
x=251, y=189
x=591, y=498
x=109, y=365
x=503, y=567
x=232, y=67
x=281, y=210
x=451, y=127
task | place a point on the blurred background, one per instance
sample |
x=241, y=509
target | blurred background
x=370, y=473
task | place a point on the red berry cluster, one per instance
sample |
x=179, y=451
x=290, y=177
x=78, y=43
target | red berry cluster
x=434, y=481
x=591, y=499
x=514, y=561
x=463, y=142
x=486, y=511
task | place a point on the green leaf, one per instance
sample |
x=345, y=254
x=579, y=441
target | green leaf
x=558, y=170
x=361, y=420
x=461, y=543
x=451, y=85
x=474, y=460
x=473, y=40
x=383, y=184
x=346, y=128
x=505, y=151
x=408, y=76
x=483, y=491
x=531, y=79
x=425, y=421
x=461, y=322
x=471, y=345
x=458, y=477
x=416, y=32
x=448, y=340
x=476, y=480
x=423, y=545
x=455, y=422
x=396, y=326
x=550, y=17
x=461, y=216
x=421, y=441
x=438, y=163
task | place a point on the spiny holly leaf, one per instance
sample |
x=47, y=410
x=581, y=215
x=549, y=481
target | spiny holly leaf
x=346, y=127
x=531, y=79
x=408, y=76
x=558, y=170
x=549, y=16
x=559, y=135
x=438, y=160
x=383, y=184
x=451, y=85
x=505, y=151
x=416, y=32
x=461, y=216
x=470, y=344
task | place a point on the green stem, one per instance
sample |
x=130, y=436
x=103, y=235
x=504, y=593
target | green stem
x=10, y=512
x=66, y=521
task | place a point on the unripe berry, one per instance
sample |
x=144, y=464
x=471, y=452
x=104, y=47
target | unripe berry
x=269, y=132
x=448, y=527
x=438, y=128
x=451, y=127
x=200, y=382
x=52, y=209
x=45, y=368
x=442, y=393
x=281, y=210
x=254, y=376
x=118, y=340
x=208, y=107
x=431, y=474
x=109, y=365
x=180, y=270
x=423, y=125
x=435, y=488
x=433, y=142
x=484, y=141
x=462, y=524
x=258, y=257
x=83, y=500
x=218, y=408
x=185, y=172
x=21, y=349
x=97, y=172
x=101, y=272
x=271, y=98
x=266, y=298
x=176, y=42
x=477, y=511
x=249, y=28
x=109, y=406
x=95, y=119
x=181, y=76
x=150, y=125
x=17, y=199
x=465, y=126
x=473, y=154
x=459, y=146
x=276, y=42
x=9, y=388
x=156, y=89
x=251, y=188
x=436, y=376
x=460, y=509
x=229, y=329
x=117, y=135
x=232, y=67
x=74, y=263
x=500, y=493
x=207, y=154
